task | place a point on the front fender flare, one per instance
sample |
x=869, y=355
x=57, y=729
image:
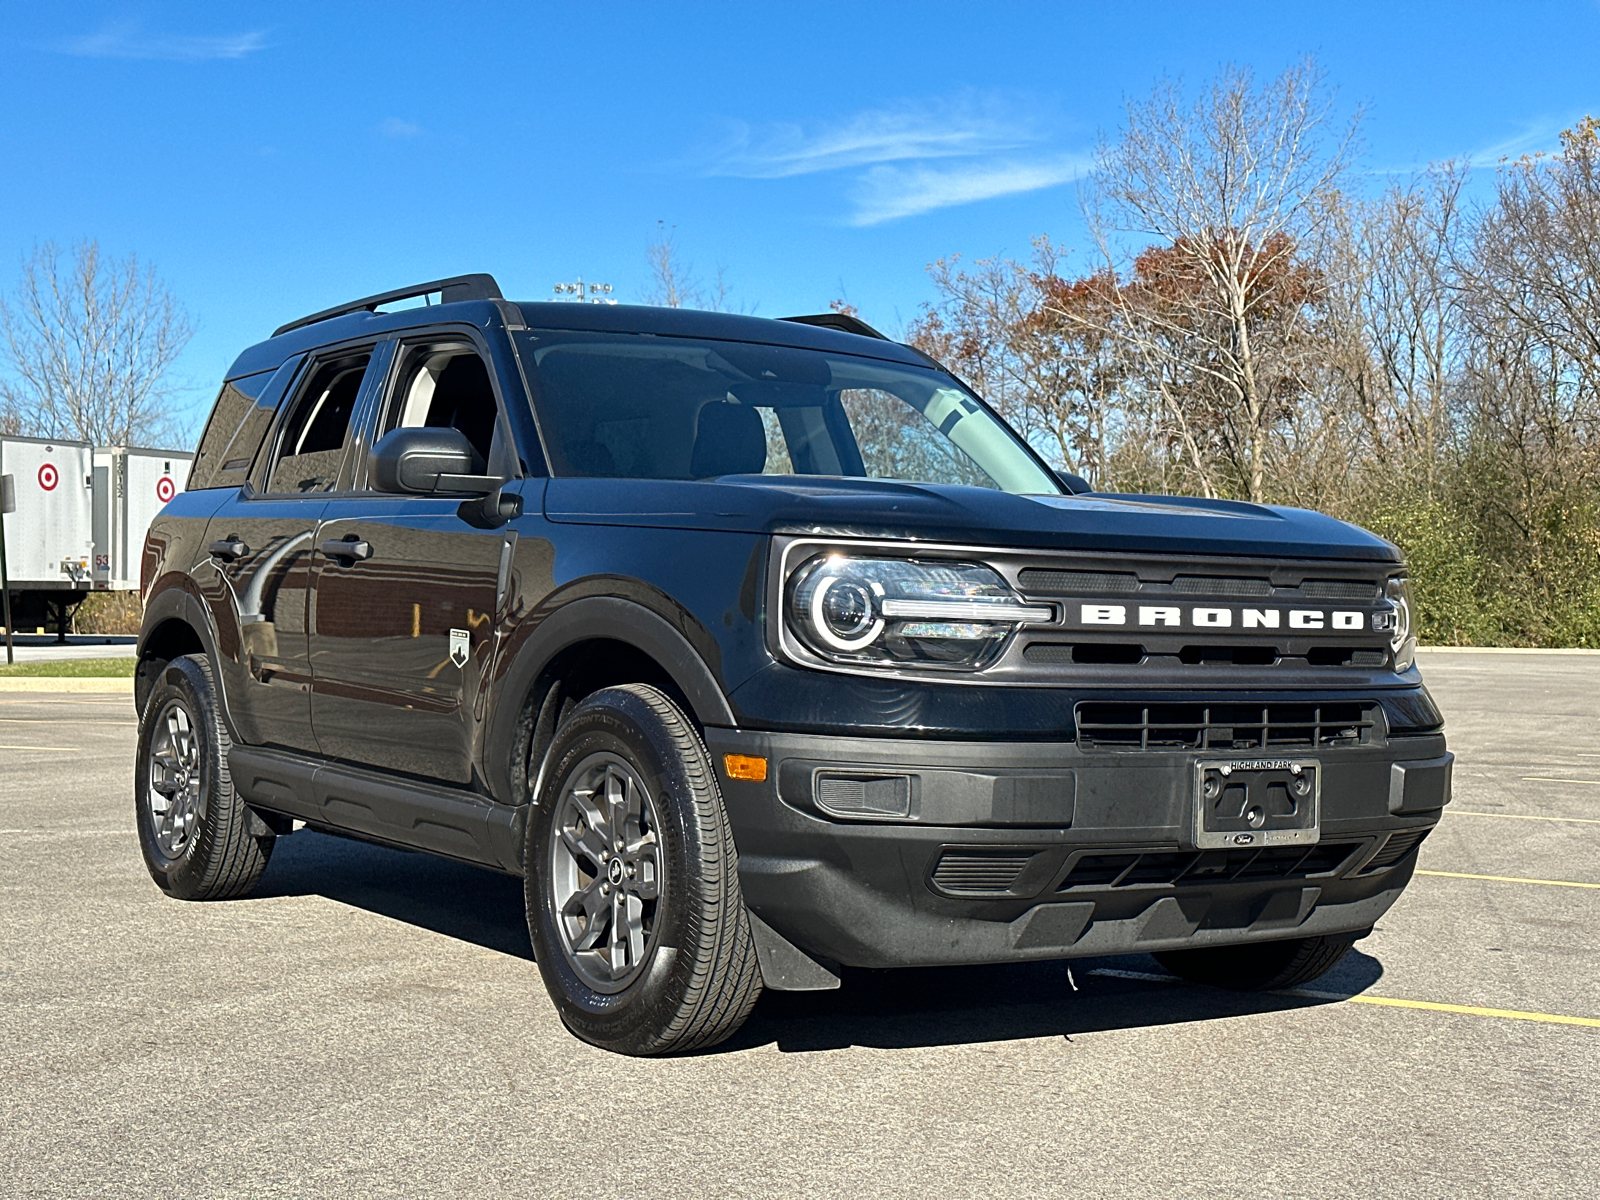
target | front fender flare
x=595, y=617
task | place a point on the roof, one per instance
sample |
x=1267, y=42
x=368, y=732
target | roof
x=603, y=318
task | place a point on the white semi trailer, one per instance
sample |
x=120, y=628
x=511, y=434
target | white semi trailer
x=80, y=521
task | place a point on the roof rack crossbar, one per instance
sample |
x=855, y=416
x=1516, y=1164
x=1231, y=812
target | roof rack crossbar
x=457, y=287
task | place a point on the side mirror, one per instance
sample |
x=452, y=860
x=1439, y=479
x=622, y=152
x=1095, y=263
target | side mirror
x=428, y=462
x=1075, y=485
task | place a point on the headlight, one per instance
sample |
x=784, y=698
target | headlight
x=1402, y=636
x=893, y=612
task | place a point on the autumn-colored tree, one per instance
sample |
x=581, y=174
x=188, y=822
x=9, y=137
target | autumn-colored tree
x=996, y=325
x=1234, y=187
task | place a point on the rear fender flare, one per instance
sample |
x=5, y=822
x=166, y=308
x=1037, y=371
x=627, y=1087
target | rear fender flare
x=176, y=603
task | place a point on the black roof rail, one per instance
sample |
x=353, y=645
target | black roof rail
x=840, y=321
x=849, y=324
x=457, y=287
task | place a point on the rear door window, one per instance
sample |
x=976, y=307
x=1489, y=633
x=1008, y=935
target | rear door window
x=310, y=452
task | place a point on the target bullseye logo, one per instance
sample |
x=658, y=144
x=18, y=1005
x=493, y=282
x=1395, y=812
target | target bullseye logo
x=165, y=489
x=48, y=477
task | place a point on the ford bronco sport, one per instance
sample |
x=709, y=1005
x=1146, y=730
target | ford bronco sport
x=761, y=649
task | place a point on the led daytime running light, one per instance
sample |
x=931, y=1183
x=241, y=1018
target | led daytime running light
x=964, y=610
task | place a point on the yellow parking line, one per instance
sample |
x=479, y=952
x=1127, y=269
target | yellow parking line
x=1510, y=879
x=1510, y=1014
x=1557, y=779
x=52, y=749
x=1467, y=812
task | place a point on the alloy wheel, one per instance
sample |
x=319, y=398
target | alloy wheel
x=605, y=872
x=173, y=788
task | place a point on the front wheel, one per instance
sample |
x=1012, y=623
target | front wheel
x=1260, y=966
x=632, y=888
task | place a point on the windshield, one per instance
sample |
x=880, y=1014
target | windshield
x=638, y=406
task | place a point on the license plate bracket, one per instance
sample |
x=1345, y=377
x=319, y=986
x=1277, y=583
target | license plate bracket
x=1257, y=802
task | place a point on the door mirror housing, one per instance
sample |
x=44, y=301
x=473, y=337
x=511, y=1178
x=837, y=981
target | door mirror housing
x=428, y=462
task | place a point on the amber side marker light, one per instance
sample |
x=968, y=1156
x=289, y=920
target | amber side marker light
x=745, y=766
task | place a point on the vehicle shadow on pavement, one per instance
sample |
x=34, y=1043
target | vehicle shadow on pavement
x=457, y=900
x=884, y=1009
x=956, y=1005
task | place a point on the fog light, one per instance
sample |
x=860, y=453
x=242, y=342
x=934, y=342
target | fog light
x=748, y=767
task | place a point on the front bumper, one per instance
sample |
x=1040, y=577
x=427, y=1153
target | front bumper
x=1005, y=851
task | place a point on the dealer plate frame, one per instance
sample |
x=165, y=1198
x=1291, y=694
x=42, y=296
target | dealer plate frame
x=1308, y=833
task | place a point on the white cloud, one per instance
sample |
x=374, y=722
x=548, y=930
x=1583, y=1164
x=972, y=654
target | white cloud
x=909, y=158
x=1535, y=135
x=394, y=127
x=127, y=40
x=970, y=126
x=1542, y=135
x=889, y=193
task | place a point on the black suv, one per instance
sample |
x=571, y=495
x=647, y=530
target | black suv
x=760, y=649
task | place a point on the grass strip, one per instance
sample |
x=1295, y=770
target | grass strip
x=72, y=668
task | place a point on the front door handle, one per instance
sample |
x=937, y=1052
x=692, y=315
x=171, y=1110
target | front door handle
x=352, y=549
x=229, y=548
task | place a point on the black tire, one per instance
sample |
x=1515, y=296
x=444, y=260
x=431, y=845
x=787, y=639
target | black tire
x=691, y=977
x=199, y=846
x=1260, y=966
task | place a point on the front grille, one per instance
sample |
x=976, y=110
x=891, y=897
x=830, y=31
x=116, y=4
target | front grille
x=1338, y=589
x=1134, y=868
x=1134, y=726
x=1097, y=653
x=1397, y=847
x=1044, y=582
x=979, y=871
x=1204, y=585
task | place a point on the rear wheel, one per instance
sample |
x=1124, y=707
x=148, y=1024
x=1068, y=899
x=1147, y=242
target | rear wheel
x=1260, y=966
x=194, y=830
x=633, y=899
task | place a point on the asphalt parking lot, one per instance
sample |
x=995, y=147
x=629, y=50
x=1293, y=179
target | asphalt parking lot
x=370, y=1023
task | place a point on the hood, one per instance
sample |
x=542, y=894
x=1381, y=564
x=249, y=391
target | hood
x=829, y=506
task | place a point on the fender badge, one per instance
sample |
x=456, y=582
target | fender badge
x=460, y=647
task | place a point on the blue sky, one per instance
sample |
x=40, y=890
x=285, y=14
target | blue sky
x=270, y=160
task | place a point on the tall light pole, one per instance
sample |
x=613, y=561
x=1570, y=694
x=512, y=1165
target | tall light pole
x=593, y=293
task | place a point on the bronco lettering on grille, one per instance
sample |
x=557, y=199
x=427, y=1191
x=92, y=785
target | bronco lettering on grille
x=1219, y=616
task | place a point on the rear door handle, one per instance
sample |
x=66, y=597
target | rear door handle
x=229, y=548
x=355, y=551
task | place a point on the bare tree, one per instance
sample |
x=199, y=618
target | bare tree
x=1236, y=188
x=88, y=346
x=1395, y=303
x=673, y=283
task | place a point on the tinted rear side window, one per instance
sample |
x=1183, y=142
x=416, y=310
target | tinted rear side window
x=311, y=448
x=239, y=421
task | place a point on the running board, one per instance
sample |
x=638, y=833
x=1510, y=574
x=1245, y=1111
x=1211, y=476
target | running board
x=370, y=804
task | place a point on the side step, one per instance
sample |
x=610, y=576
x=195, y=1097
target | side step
x=416, y=816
